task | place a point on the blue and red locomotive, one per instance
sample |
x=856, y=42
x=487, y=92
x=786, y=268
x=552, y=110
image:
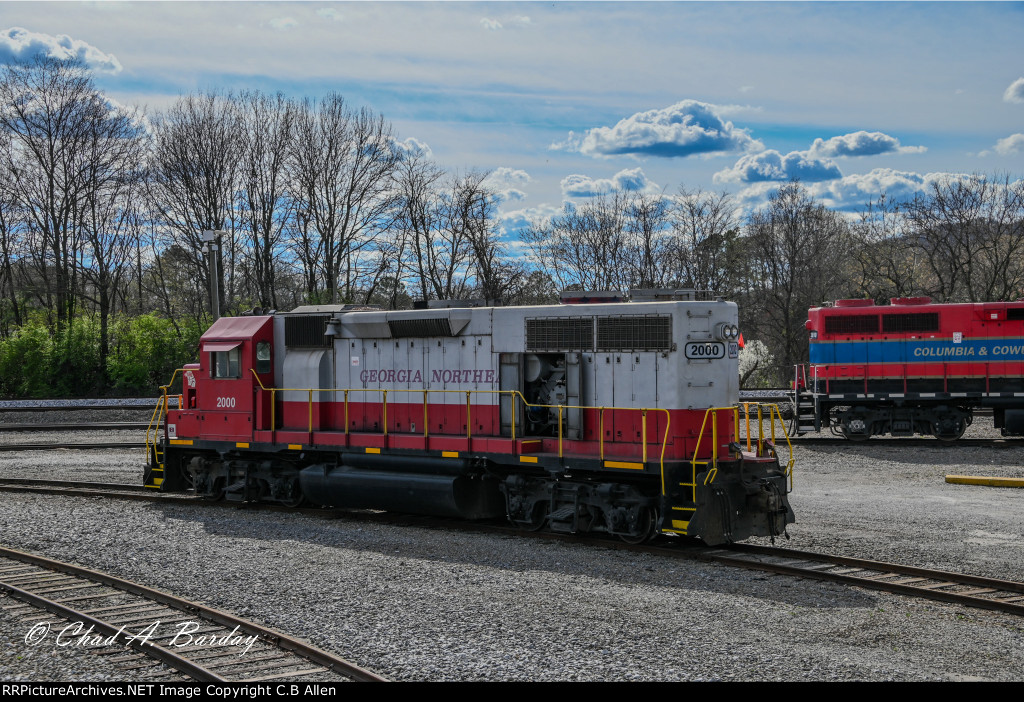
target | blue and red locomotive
x=912, y=367
x=614, y=417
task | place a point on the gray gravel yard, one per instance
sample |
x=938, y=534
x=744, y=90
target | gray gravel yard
x=423, y=604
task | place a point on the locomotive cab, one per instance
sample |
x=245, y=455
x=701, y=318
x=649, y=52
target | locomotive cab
x=221, y=390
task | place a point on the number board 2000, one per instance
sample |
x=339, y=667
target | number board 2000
x=704, y=349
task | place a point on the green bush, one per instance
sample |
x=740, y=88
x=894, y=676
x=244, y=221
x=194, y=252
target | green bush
x=143, y=354
x=34, y=362
x=145, y=351
x=25, y=365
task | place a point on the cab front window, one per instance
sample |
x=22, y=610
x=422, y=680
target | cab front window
x=227, y=364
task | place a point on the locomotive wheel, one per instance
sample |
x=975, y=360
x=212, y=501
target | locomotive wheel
x=647, y=522
x=949, y=431
x=855, y=428
x=539, y=517
x=296, y=497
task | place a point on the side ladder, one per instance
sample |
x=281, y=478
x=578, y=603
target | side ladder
x=154, y=475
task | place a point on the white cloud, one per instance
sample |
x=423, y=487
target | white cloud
x=851, y=193
x=515, y=22
x=502, y=182
x=17, y=44
x=685, y=129
x=283, y=24
x=508, y=176
x=772, y=166
x=516, y=220
x=412, y=147
x=1015, y=93
x=814, y=164
x=862, y=143
x=630, y=180
x=1013, y=144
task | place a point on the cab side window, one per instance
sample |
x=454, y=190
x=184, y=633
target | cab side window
x=263, y=357
x=227, y=364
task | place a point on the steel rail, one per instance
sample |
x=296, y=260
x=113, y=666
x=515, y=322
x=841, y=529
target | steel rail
x=1001, y=595
x=95, y=426
x=74, y=445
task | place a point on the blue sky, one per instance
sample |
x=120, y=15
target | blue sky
x=563, y=100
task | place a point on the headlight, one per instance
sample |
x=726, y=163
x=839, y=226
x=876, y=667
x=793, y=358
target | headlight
x=727, y=332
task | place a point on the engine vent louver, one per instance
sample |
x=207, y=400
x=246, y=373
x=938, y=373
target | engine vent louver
x=634, y=333
x=307, y=330
x=560, y=334
x=854, y=324
x=420, y=328
x=920, y=322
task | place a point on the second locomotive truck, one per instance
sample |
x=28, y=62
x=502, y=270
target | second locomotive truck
x=614, y=417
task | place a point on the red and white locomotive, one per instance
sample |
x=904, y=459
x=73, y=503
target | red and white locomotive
x=912, y=367
x=596, y=416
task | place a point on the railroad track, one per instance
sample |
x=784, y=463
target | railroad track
x=155, y=634
x=95, y=426
x=944, y=586
x=80, y=445
x=971, y=590
x=91, y=489
x=903, y=442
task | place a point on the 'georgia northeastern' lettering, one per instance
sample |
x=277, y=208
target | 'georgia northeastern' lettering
x=474, y=376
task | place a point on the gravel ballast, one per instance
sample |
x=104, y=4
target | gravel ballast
x=424, y=604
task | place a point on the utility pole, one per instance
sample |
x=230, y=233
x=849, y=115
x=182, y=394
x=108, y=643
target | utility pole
x=210, y=237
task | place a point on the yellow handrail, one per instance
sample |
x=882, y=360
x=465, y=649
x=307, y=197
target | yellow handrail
x=773, y=413
x=160, y=411
x=513, y=394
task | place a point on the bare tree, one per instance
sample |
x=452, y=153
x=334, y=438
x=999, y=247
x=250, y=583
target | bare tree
x=50, y=112
x=10, y=240
x=798, y=251
x=266, y=205
x=497, y=275
x=971, y=232
x=342, y=166
x=647, y=226
x=193, y=174
x=110, y=213
x=417, y=220
x=586, y=246
x=890, y=263
x=705, y=232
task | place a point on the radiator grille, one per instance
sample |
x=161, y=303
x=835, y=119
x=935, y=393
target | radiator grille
x=636, y=333
x=560, y=334
x=307, y=330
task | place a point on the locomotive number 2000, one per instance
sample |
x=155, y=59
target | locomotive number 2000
x=225, y=402
x=698, y=349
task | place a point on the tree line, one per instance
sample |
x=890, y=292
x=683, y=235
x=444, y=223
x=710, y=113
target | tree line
x=103, y=209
